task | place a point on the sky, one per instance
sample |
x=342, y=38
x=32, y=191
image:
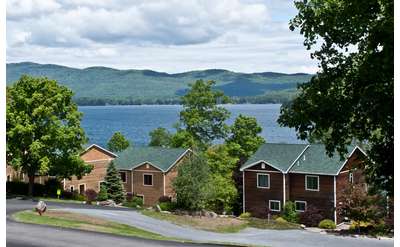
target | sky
x=164, y=35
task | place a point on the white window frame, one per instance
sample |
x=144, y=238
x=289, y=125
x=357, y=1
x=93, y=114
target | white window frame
x=73, y=188
x=79, y=188
x=126, y=176
x=269, y=181
x=152, y=179
x=305, y=182
x=274, y=210
x=351, y=177
x=305, y=206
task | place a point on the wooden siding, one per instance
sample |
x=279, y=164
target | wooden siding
x=150, y=194
x=257, y=199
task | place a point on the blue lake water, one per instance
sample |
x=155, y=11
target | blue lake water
x=135, y=122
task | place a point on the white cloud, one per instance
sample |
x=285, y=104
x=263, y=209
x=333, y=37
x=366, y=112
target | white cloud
x=172, y=36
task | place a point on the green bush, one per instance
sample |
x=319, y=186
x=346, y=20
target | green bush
x=167, y=206
x=79, y=197
x=134, y=203
x=289, y=212
x=102, y=196
x=280, y=220
x=21, y=188
x=51, y=186
x=327, y=224
x=245, y=215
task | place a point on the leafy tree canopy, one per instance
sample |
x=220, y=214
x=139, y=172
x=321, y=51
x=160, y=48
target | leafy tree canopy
x=201, y=116
x=245, y=139
x=160, y=137
x=43, y=129
x=351, y=97
x=118, y=142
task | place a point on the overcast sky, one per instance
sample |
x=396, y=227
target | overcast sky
x=171, y=36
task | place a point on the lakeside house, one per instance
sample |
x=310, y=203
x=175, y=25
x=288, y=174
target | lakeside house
x=146, y=172
x=301, y=173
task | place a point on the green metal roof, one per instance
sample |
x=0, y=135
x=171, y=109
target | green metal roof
x=278, y=155
x=310, y=159
x=315, y=160
x=162, y=158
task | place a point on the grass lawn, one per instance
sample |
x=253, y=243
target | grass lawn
x=83, y=222
x=222, y=225
x=58, y=200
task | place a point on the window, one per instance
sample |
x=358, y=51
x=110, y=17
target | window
x=275, y=205
x=312, y=183
x=123, y=176
x=148, y=179
x=300, y=206
x=262, y=180
x=351, y=177
x=8, y=178
x=82, y=189
x=71, y=188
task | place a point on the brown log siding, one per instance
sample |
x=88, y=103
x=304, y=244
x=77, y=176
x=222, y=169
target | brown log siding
x=150, y=194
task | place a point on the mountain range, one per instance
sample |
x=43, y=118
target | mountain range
x=102, y=85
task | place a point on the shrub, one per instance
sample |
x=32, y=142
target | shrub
x=65, y=194
x=78, y=197
x=245, y=215
x=164, y=199
x=21, y=188
x=91, y=196
x=134, y=203
x=102, y=196
x=51, y=186
x=311, y=217
x=167, y=206
x=129, y=196
x=280, y=220
x=289, y=212
x=327, y=224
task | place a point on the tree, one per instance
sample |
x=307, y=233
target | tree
x=222, y=166
x=351, y=97
x=201, y=116
x=113, y=184
x=118, y=142
x=245, y=139
x=160, y=137
x=102, y=196
x=44, y=135
x=192, y=185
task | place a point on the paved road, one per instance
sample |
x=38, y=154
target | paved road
x=19, y=234
x=249, y=236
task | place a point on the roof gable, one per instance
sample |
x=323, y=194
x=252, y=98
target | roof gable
x=100, y=149
x=278, y=155
x=161, y=158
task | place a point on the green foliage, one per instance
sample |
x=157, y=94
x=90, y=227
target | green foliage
x=327, y=224
x=43, y=129
x=129, y=87
x=351, y=97
x=90, y=196
x=245, y=215
x=102, y=196
x=51, y=186
x=201, y=116
x=168, y=206
x=118, y=142
x=281, y=220
x=245, y=139
x=113, y=184
x=135, y=202
x=160, y=137
x=182, y=138
x=289, y=212
x=224, y=189
x=192, y=184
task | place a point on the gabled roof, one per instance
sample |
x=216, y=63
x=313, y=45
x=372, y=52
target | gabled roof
x=161, y=158
x=300, y=158
x=278, y=155
x=101, y=148
x=315, y=161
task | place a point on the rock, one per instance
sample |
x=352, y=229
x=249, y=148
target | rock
x=157, y=208
x=302, y=226
x=109, y=203
x=41, y=207
x=165, y=212
x=213, y=215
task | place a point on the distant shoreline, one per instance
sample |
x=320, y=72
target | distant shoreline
x=272, y=103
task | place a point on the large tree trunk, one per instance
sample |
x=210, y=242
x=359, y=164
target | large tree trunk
x=31, y=183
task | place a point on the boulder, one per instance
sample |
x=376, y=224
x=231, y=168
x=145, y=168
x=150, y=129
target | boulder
x=157, y=208
x=41, y=207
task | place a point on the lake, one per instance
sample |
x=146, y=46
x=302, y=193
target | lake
x=136, y=121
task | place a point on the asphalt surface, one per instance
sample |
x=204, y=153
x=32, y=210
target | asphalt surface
x=34, y=235
x=20, y=234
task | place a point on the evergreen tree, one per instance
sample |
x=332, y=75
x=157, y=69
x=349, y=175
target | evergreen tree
x=113, y=184
x=102, y=196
